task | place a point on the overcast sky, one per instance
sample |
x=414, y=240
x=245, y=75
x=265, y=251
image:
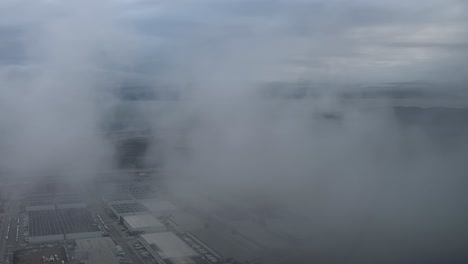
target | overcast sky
x=359, y=40
x=360, y=175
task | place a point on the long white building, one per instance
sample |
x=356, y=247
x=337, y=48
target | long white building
x=168, y=248
x=143, y=224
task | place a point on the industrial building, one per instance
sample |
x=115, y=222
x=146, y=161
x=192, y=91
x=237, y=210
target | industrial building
x=124, y=208
x=115, y=192
x=96, y=251
x=143, y=224
x=53, y=201
x=40, y=207
x=108, y=198
x=39, y=202
x=167, y=248
x=61, y=224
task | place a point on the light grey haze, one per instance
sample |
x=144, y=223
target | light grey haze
x=362, y=188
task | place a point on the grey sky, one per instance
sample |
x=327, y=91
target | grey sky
x=57, y=59
x=332, y=40
x=348, y=40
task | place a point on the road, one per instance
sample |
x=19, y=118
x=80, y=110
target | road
x=11, y=230
x=118, y=236
x=4, y=229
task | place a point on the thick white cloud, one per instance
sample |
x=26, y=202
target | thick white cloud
x=338, y=173
x=346, y=40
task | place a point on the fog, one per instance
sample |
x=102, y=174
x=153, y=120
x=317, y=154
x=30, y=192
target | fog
x=334, y=179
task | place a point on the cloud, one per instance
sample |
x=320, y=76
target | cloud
x=345, y=40
x=360, y=184
x=65, y=56
x=352, y=38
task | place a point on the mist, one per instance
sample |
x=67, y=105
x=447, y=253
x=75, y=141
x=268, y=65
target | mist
x=332, y=178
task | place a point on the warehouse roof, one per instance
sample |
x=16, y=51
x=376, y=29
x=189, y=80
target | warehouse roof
x=140, y=221
x=169, y=245
x=132, y=207
x=61, y=221
x=51, y=199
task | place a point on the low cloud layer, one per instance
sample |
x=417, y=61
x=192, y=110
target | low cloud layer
x=346, y=181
